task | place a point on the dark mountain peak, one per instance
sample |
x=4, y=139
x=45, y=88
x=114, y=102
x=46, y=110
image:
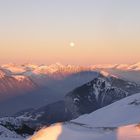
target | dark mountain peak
x=99, y=92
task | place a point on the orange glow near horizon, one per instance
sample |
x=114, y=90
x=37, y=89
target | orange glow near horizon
x=103, y=31
x=83, y=53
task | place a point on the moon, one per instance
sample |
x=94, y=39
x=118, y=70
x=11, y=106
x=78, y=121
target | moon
x=72, y=44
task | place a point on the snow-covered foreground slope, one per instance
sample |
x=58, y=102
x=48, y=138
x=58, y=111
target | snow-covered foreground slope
x=76, y=132
x=118, y=121
x=123, y=112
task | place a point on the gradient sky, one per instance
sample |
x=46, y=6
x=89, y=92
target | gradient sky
x=40, y=31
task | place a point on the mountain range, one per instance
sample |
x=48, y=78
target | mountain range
x=34, y=96
x=40, y=85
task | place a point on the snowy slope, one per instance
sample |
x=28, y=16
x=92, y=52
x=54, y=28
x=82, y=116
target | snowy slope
x=6, y=133
x=123, y=112
x=76, y=132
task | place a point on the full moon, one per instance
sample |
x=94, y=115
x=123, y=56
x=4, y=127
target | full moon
x=72, y=44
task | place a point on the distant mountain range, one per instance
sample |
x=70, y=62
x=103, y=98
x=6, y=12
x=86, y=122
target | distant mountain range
x=58, y=71
x=58, y=67
x=39, y=85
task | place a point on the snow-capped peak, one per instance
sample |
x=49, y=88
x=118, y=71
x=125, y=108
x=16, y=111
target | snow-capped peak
x=107, y=74
x=135, y=66
x=2, y=74
x=19, y=77
x=14, y=68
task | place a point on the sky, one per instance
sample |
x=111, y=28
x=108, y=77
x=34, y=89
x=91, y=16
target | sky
x=42, y=31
